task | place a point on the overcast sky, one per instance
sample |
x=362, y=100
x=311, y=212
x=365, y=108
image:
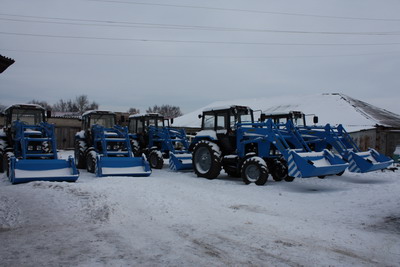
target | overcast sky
x=189, y=53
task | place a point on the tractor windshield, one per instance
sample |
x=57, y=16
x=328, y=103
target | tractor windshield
x=156, y=121
x=105, y=120
x=242, y=116
x=28, y=116
x=298, y=119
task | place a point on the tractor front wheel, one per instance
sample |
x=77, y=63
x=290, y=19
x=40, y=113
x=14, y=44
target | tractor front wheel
x=254, y=170
x=80, y=160
x=2, y=162
x=91, y=161
x=206, y=159
x=156, y=160
x=279, y=171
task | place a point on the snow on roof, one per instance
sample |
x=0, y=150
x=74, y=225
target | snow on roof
x=97, y=111
x=145, y=114
x=333, y=108
x=33, y=106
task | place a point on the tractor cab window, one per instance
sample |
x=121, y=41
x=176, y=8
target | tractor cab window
x=157, y=122
x=132, y=125
x=221, y=122
x=30, y=117
x=208, y=122
x=298, y=121
x=242, y=116
x=105, y=120
x=140, y=127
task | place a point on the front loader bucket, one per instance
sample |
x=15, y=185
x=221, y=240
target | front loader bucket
x=367, y=161
x=122, y=166
x=27, y=170
x=310, y=164
x=182, y=161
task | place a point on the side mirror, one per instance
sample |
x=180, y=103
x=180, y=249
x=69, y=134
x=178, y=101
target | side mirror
x=200, y=116
x=315, y=119
x=48, y=113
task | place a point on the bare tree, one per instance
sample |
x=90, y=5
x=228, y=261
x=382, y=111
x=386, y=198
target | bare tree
x=61, y=106
x=80, y=104
x=44, y=104
x=2, y=108
x=133, y=111
x=167, y=111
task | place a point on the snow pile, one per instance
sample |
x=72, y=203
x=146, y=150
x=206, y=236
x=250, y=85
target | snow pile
x=175, y=218
x=330, y=108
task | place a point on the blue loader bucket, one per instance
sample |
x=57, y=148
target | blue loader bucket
x=310, y=164
x=122, y=166
x=368, y=161
x=180, y=161
x=27, y=170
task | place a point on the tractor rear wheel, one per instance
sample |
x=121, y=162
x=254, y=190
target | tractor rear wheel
x=156, y=160
x=207, y=159
x=254, y=170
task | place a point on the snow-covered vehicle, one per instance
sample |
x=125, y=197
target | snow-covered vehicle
x=151, y=136
x=230, y=139
x=28, y=148
x=103, y=147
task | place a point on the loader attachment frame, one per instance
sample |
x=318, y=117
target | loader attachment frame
x=339, y=139
x=270, y=143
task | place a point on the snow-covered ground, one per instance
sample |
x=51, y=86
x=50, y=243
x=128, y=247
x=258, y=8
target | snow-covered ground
x=177, y=219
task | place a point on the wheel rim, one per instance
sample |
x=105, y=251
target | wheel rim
x=252, y=173
x=203, y=160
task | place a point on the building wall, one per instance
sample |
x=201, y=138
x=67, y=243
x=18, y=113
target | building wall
x=384, y=140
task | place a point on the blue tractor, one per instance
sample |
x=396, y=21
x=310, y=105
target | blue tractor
x=103, y=147
x=151, y=135
x=28, y=148
x=230, y=139
x=334, y=138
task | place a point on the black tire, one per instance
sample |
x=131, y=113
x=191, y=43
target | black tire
x=135, y=148
x=279, y=171
x=2, y=162
x=340, y=173
x=254, y=170
x=321, y=176
x=155, y=159
x=91, y=161
x=207, y=159
x=7, y=159
x=232, y=171
x=79, y=153
x=289, y=179
x=46, y=147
